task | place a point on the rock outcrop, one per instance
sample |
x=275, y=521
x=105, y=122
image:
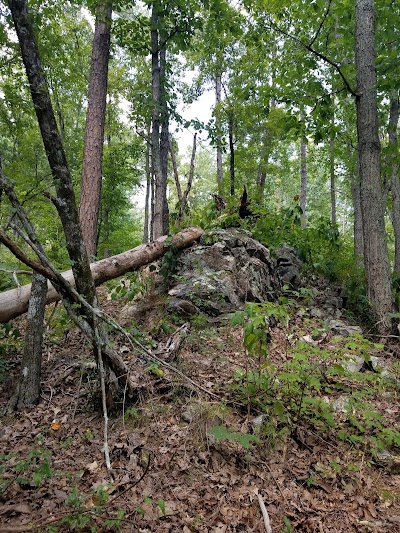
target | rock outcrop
x=227, y=269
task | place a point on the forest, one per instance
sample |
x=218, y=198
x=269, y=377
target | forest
x=199, y=265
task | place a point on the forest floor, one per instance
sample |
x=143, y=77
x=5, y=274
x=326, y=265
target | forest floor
x=170, y=473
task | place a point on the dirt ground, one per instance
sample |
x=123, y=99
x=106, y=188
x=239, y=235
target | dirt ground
x=170, y=474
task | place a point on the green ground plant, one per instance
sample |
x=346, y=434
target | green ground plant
x=304, y=389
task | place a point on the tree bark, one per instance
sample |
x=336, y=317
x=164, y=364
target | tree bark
x=303, y=180
x=231, y=152
x=15, y=301
x=27, y=392
x=164, y=138
x=146, y=229
x=357, y=214
x=375, y=247
x=333, y=178
x=159, y=157
x=220, y=173
x=394, y=173
x=66, y=206
x=95, y=125
x=65, y=201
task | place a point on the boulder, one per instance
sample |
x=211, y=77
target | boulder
x=288, y=266
x=227, y=269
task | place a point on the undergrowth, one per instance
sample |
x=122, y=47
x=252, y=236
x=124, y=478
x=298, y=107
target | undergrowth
x=314, y=386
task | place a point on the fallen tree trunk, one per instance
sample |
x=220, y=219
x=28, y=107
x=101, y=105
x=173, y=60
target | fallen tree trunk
x=15, y=301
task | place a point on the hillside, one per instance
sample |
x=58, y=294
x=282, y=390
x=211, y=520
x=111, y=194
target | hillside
x=318, y=469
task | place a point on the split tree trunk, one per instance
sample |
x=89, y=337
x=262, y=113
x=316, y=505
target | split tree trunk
x=15, y=301
x=95, y=124
x=369, y=149
x=183, y=197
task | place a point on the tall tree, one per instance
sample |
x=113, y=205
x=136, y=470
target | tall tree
x=159, y=114
x=369, y=148
x=303, y=179
x=64, y=202
x=393, y=161
x=95, y=124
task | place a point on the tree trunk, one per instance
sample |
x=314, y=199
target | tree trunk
x=65, y=200
x=369, y=149
x=357, y=214
x=164, y=138
x=66, y=206
x=95, y=125
x=394, y=172
x=15, y=301
x=146, y=230
x=303, y=180
x=220, y=173
x=231, y=152
x=333, y=178
x=159, y=144
x=27, y=392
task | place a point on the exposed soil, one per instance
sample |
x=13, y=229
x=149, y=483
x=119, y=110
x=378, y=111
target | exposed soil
x=171, y=475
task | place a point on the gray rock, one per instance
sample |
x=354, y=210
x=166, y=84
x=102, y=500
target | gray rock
x=182, y=307
x=226, y=270
x=341, y=404
x=340, y=328
x=334, y=301
x=288, y=266
x=354, y=363
x=315, y=312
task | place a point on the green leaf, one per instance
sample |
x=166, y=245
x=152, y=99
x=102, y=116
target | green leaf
x=244, y=439
x=278, y=408
x=161, y=505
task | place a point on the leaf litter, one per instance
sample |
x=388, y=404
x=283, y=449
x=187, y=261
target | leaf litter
x=171, y=474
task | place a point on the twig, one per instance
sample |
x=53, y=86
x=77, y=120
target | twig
x=325, y=58
x=104, y=400
x=321, y=24
x=27, y=272
x=77, y=396
x=267, y=522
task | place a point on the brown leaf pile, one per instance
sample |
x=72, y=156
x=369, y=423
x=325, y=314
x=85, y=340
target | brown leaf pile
x=190, y=483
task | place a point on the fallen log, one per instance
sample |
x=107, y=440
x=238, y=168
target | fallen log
x=15, y=301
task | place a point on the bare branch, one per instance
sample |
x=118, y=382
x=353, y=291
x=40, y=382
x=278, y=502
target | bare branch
x=308, y=47
x=321, y=24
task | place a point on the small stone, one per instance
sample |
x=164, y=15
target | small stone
x=258, y=421
x=189, y=414
x=354, y=363
x=342, y=329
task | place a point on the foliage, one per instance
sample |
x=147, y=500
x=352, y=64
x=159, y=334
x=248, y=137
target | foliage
x=222, y=433
x=10, y=339
x=26, y=470
x=169, y=262
x=299, y=391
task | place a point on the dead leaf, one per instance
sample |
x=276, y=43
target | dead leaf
x=22, y=508
x=92, y=467
x=55, y=425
